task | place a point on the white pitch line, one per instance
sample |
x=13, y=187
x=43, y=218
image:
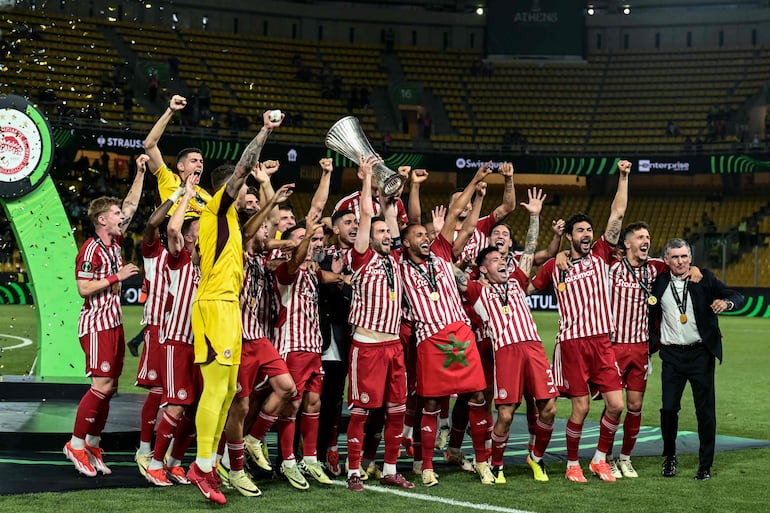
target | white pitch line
x=442, y=500
x=24, y=342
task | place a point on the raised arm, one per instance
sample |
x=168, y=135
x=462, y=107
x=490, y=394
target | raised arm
x=174, y=229
x=300, y=253
x=151, y=141
x=318, y=202
x=131, y=201
x=543, y=255
x=151, y=231
x=262, y=173
x=253, y=224
x=469, y=225
x=414, y=209
x=456, y=207
x=619, y=204
x=250, y=155
x=367, y=210
x=509, y=193
x=533, y=206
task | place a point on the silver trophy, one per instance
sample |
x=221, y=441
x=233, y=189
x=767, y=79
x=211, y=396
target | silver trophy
x=347, y=138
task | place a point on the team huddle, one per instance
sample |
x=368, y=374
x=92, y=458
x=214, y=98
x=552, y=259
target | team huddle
x=253, y=320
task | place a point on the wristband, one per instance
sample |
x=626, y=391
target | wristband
x=113, y=279
x=177, y=194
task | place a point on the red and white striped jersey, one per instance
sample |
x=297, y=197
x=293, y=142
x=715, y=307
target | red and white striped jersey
x=353, y=202
x=584, y=305
x=478, y=240
x=183, y=278
x=629, y=300
x=503, y=310
x=255, y=298
x=154, y=286
x=298, y=326
x=377, y=291
x=97, y=261
x=431, y=316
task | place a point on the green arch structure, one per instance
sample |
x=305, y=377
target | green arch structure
x=44, y=235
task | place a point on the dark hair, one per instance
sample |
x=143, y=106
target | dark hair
x=631, y=228
x=575, y=219
x=286, y=206
x=187, y=223
x=501, y=223
x=342, y=213
x=253, y=191
x=483, y=255
x=183, y=154
x=285, y=234
x=221, y=175
x=406, y=229
x=376, y=220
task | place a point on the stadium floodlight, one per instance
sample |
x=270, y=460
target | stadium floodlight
x=627, y=10
x=591, y=11
x=480, y=11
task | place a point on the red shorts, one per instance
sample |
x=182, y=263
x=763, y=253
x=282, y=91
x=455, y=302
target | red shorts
x=449, y=363
x=487, y=355
x=306, y=370
x=182, y=381
x=634, y=363
x=104, y=351
x=524, y=368
x=580, y=360
x=377, y=374
x=258, y=358
x=151, y=361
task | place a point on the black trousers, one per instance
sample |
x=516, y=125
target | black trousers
x=695, y=365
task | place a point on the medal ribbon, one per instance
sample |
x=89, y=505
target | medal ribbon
x=113, y=262
x=504, y=296
x=389, y=273
x=430, y=277
x=645, y=271
x=681, y=303
x=255, y=274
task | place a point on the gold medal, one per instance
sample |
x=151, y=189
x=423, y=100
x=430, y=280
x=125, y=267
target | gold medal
x=506, y=309
x=252, y=302
x=652, y=301
x=116, y=288
x=561, y=286
x=683, y=318
x=434, y=296
x=392, y=295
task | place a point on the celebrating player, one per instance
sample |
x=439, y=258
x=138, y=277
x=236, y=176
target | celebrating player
x=583, y=352
x=99, y=271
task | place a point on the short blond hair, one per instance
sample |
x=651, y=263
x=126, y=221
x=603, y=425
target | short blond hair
x=101, y=205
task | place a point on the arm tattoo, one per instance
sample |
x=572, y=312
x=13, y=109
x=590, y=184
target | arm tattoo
x=248, y=160
x=529, y=246
x=613, y=232
x=460, y=277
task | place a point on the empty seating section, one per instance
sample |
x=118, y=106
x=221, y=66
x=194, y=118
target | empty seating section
x=550, y=104
x=261, y=73
x=643, y=91
x=66, y=56
x=442, y=74
x=615, y=102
